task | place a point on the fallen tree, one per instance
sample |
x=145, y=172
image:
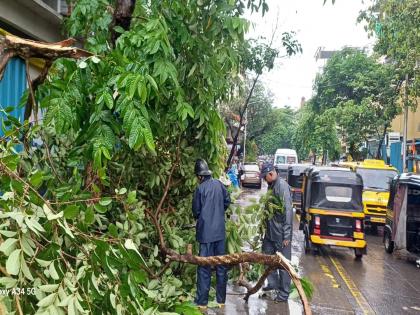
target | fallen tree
x=122, y=127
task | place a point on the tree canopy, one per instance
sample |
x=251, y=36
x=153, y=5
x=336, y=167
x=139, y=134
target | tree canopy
x=360, y=94
x=96, y=193
x=395, y=23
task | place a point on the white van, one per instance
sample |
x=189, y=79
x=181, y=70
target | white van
x=285, y=156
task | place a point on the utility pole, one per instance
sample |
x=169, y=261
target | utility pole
x=405, y=124
x=246, y=123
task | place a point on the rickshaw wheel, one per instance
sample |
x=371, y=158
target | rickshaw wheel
x=358, y=252
x=309, y=247
x=388, y=243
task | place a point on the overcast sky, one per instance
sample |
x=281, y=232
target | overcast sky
x=316, y=25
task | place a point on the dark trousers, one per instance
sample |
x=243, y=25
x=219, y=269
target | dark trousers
x=204, y=274
x=279, y=279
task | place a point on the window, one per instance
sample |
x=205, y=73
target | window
x=338, y=193
x=57, y=5
x=291, y=160
x=251, y=168
x=280, y=159
x=375, y=178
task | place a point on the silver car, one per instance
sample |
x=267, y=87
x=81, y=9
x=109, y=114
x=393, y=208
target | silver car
x=251, y=175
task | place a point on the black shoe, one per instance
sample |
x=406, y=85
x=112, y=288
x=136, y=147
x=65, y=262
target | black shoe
x=268, y=288
x=278, y=299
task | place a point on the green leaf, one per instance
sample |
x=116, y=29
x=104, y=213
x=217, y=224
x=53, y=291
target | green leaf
x=8, y=282
x=7, y=233
x=149, y=139
x=26, y=271
x=53, y=272
x=48, y=300
x=89, y=216
x=82, y=64
x=50, y=215
x=134, y=134
x=99, y=208
x=26, y=246
x=192, y=70
x=71, y=211
x=95, y=59
x=8, y=246
x=43, y=263
x=48, y=288
x=13, y=262
x=108, y=100
x=105, y=201
x=131, y=197
x=152, y=81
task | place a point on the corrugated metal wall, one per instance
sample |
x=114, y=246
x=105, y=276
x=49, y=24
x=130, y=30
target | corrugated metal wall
x=12, y=87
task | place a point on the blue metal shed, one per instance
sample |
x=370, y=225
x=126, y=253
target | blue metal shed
x=12, y=87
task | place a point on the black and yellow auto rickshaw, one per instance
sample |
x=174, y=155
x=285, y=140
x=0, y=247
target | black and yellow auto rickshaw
x=295, y=180
x=332, y=209
x=402, y=227
x=282, y=170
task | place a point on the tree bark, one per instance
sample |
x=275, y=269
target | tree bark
x=122, y=17
x=13, y=46
x=241, y=114
x=381, y=141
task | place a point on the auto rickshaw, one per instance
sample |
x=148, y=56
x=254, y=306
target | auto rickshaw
x=332, y=209
x=295, y=180
x=402, y=227
x=282, y=170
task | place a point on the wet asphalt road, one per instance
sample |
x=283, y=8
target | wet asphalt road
x=378, y=284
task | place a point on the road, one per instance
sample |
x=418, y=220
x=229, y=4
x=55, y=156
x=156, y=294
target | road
x=379, y=284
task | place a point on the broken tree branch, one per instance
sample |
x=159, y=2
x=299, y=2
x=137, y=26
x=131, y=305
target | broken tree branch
x=12, y=46
x=272, y=261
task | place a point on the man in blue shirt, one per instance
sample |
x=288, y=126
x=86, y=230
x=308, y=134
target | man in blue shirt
x=210, y=202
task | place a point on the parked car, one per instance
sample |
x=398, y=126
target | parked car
x=251, y=175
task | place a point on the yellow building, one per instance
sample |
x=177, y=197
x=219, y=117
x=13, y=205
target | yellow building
x=413, y=125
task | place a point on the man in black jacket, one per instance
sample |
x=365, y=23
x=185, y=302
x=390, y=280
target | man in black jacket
x=278, y=233
x=210, y=202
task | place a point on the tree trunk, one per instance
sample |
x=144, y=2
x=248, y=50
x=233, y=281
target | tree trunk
x=122, y=17
x=241, y=115
x=381, y=141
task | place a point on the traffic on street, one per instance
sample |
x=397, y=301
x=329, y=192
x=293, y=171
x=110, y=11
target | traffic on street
x=380, y=283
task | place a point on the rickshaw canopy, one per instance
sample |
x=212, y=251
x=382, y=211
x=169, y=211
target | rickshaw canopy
x=295, y=174
x=334, y=188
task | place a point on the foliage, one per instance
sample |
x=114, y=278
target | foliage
x=259, y=112
x=360, y=93
x=269, y=127
x=396, y=26
x=119, y=128
x=308, y=287
x=257, y=57
x=279, y=131
x=316, y=133
x=251, y=151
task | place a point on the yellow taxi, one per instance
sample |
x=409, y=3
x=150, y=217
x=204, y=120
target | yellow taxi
x=376, y=177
